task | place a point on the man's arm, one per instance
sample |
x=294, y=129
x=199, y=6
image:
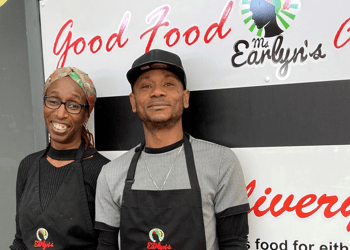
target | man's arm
x=232, y=231
x=107, y=237
x=107, y=211
x=232, y=203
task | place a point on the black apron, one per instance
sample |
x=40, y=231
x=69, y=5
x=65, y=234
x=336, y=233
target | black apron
x=169, y=219
x=66, y=222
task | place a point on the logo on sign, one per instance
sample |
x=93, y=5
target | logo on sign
x=42, y=235
x=269, y=18
x=155, y=234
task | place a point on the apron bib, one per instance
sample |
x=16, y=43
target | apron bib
x=170, y=219
x=66, y=222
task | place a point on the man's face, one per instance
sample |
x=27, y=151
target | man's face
x=159, y=98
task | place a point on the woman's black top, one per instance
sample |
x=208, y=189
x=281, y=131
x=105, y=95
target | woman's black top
x=52, y=177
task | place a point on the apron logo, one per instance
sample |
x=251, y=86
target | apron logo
x=43, y=232
x=154, y=245
x=42, y=236
x=158, y=232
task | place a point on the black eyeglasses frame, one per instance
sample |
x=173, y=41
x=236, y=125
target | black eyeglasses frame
x=81, y=105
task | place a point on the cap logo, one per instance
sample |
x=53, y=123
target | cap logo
x=145, y=67
x=159, y=66
x=155, y=66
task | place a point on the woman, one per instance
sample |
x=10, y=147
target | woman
x=55, y=188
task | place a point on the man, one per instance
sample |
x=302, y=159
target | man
x=173, y=191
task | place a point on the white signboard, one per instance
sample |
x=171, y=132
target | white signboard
x=298, y=189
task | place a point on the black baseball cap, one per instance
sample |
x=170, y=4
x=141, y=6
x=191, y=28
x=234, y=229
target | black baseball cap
x=157, y=59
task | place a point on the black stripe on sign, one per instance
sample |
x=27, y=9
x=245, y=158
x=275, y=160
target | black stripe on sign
x=316, y=113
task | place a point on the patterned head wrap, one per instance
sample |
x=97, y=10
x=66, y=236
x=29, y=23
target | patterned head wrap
x=280, y=4
x=81, y=78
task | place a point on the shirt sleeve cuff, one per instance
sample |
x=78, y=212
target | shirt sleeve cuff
x=104, y=227
x=234, y=210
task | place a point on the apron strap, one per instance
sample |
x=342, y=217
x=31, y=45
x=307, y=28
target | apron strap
x=192, y=173
x=191, y=169
x=130, y=178
x=79, y=156
x=36, y=161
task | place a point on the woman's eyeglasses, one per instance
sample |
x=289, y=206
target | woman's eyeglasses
x=71, y=107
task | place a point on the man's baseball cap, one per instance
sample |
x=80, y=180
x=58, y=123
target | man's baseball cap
x=156, y=59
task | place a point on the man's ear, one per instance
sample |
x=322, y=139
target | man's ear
x=132, y=102
x=186, y=98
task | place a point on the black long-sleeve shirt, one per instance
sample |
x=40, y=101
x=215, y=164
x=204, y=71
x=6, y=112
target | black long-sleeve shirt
x=51, y=179
x=232, y=232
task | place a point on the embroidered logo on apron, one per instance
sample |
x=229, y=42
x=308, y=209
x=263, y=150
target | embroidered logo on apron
x=154, y=244
x=42, y=234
